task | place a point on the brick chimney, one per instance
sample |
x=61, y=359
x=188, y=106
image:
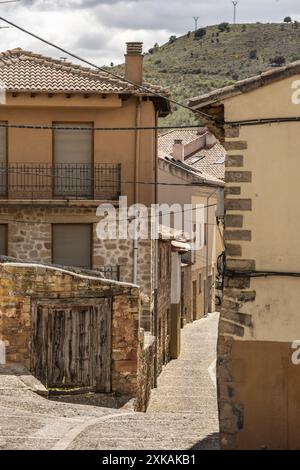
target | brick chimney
x=178, y=150
x=134, y=62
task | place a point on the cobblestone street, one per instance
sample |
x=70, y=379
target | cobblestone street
x=182, y=413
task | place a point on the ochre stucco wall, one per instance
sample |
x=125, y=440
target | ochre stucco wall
x=258, y=385
x=35, y=146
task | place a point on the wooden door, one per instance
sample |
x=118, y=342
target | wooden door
x=71, y=344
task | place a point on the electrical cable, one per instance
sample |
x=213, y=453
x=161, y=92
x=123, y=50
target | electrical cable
x=102, y=69
x=91, y=179
x=42, y=127
x=263, y=121
x=118, y=220
x=247, y=274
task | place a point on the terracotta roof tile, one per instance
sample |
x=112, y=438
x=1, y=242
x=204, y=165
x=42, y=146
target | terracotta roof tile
x=211, y=161
x=24, y=71
x=166, y=140
x=207, y=162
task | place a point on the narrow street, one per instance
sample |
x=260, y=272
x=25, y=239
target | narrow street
x=182, y=413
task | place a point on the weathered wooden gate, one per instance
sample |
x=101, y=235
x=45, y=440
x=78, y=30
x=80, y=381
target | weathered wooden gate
x=71, y=343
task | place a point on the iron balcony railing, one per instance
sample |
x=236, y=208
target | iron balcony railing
x=59, y=181
x=111, y=272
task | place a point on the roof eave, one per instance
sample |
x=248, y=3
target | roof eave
x=245, y=86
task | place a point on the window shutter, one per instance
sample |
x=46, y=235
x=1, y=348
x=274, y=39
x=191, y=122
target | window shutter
x=3, y=240
x=72, y=244
x=73, y=146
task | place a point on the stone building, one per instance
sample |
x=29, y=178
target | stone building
x=172, y=246
x=72, y=329
x=57, y=167
x=258, y=347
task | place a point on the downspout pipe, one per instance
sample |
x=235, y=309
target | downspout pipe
x=136, y=184
x=156, y=323
x=208, y=289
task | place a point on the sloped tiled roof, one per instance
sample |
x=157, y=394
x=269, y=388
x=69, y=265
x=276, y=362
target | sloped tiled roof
x=24, y=71
x=244, y=86
x=166, y=140
x=192, y=174
x=208, y=161
x=203, y=161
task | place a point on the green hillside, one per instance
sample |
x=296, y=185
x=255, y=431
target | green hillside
x=189, y=66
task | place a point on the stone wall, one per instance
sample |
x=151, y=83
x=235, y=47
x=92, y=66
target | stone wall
x=237, y=290
x=21, y=284
x=31, y=239
x=146, y=371
x=164, y=305
x=186, y=303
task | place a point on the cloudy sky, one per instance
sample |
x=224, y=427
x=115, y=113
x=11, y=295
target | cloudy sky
x=98, y=29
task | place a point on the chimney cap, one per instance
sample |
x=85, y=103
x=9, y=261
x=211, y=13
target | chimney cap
x=134, y=48
x=177, y=141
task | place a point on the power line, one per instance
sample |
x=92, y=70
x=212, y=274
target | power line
x=81, y=128
x=91, y=179
x=263, y=121
x=156, y=216
x=109, y=72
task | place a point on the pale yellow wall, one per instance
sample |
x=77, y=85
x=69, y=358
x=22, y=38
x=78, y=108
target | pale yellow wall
x=34, y=146
x=273, y=157
x=265, y=102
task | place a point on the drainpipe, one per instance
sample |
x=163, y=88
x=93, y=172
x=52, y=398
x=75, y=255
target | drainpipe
x=155, y=319
x=136, y=184
x=207, y=250
x=207, y=254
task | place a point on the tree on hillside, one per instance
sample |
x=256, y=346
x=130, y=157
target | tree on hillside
x=287, y=19
x=277, y=61
x=172, y=39
x=253, y=54
x=223, y=27
x=200, y=33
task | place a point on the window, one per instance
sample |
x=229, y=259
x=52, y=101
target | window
x=3, y=239
x=72, y=245
x=200, y=284
x=73, y=159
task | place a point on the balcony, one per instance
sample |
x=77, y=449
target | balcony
x=43, y=181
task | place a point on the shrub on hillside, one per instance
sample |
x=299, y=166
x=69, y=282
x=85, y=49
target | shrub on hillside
x=253, y=54
x=224, y=27
x=277, y=60
x=200, y=33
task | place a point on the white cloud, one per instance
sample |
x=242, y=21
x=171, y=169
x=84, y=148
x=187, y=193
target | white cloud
x=98, y=29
